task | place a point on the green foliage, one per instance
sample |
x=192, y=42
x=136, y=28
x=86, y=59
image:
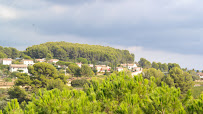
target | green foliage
x=183, y=80
x=155, y=65
x=82, y=60
x=79, y=82
x=196, y=107
x=42, y=75
x=86, y=71
x=93, y=53
x=151, y=72
x=194, y=75
x=172, y=65
x=13, y=107
x=144, y=63
x=197, y=91
x=55, y=83
x=17, y=92
x=116, y=94
x=74, y=70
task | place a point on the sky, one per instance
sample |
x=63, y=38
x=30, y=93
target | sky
x=158, y=30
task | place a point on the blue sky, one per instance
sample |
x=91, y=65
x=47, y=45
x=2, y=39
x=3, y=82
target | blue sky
x=159, y=30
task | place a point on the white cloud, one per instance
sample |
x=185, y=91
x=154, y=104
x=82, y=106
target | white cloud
x=8, y=13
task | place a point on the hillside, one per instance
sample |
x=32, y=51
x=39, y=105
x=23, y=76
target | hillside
x=65, y=50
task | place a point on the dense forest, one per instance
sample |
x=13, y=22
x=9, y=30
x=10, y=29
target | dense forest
x=9, y=52
x=93, y=53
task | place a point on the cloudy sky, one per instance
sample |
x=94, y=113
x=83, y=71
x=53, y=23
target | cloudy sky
x=158, y=30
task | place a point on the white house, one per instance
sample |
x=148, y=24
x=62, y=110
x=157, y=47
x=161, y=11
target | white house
x=79, y=64
x=6, y=61
x=28, y=62
x=18, y=68
x=200, y=75
x=136, y=71
x=91, y=65
x=119, y=69
x=102, y=68
x=129, y=66
x=53, y=60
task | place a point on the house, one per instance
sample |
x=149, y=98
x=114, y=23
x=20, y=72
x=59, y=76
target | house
x=79, y=64
x=18, y=68
x=129, y=66
x=53, y=61
x=137, y=69
x=28, y=62
x=136, y=73
x=200, y=75
x=6, y=61
x=102, y=68
x=39, y=60
x=119, y=69
x=91, y=65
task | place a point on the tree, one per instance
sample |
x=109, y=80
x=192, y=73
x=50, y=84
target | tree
x=83, y=60
x=164, y=67
x=171, y=65
x=144, y=63
x=86, y=70
x=42, y=73
x=152, y=72
x=17, y=92
x=182, y=80
x=49, y=56
x=155, y=65
x=74, y=70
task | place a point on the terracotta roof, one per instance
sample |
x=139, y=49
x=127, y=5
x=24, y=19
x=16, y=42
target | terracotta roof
x=127, y=64
x=7, y=59
x=101, y=66
x=18, y=66
x=39, y=59
x=201, y=74
x=54, y=60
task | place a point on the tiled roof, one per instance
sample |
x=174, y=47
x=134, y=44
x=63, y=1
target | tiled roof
x=18, y=66
x=39, y=59
x=7, y=59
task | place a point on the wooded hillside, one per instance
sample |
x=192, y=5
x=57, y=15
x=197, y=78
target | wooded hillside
x=93, y=53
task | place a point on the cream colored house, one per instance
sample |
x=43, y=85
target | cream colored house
x=129, y=66
x=28, y=62
x=6, y=61
x=53, y=60
x=18, y=68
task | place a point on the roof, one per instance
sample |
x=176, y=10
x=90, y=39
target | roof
x=53, y=60
x=39, y=59
x=101, y=66
x=127, y=64
x=105, y=68
x=27, y=60
x=7, y=59
x=200, y=73
x=18, y=66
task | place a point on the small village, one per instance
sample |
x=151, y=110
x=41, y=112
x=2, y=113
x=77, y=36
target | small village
x=23, y=65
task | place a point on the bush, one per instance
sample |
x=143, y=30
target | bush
x=79, y=82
